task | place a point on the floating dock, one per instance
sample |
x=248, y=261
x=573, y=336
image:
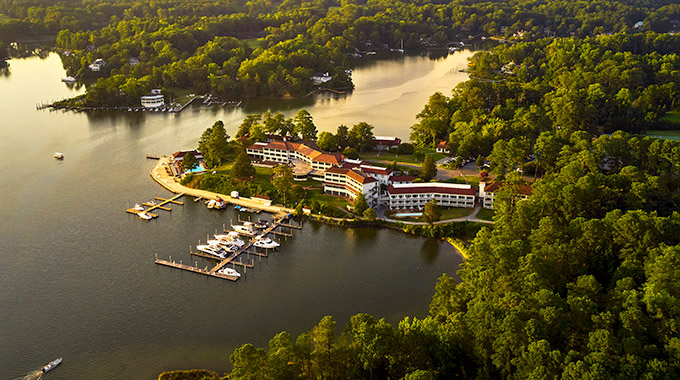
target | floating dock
x=160, y=205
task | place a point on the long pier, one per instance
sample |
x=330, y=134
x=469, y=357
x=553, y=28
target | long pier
x=223, y=262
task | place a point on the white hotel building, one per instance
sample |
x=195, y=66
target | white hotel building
x=350, y=183
x=414, y=196
x=285, y=151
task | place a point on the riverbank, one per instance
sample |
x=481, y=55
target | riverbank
x=170, y=183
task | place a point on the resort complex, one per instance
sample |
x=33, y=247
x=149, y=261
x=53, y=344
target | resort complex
x=350, y=178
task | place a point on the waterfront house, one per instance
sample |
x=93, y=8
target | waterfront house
x=414, y=196
x=177, y=157
x=442, y=147
x=153, y=100
x=321, y=78
x=97, y=65
x=386, y=142
x=487, y=192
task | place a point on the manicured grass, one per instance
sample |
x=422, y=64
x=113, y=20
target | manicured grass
x=181, y=95
x=665, y=134
x=254, y=43
x=447, y=213
x=673, y=117
x=309, y=183
x=326, y=199
x=405, y=158
x=470, y=180
x=485, y=214
x=262, y=174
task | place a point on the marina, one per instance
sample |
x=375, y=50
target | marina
x=217, y=270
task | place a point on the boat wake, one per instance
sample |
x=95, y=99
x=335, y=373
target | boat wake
x=34, y=375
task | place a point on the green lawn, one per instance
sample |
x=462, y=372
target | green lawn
x=469, y=180
x=254, y=43
x=485, y=214
x=181, y=95
x=447, y=213
x=665, y=134
x=326, y=199
x=262, y=174
x=309, y=183
x=673, y=117
x=405, y=158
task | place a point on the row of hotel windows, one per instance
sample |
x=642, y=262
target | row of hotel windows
x=429, y=196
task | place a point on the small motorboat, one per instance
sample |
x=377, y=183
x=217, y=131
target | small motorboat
x=145, y=216
x=138, y=207
x=262, y=224
x=265, y=242
x=68, y=79
x=50, y=366
x=59, y=155
x=229, y=272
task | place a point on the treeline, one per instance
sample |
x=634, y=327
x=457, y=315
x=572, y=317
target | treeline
x=597, y=85
x=578, y=281
x=199, y=45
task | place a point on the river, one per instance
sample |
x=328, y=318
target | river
x=77, y=277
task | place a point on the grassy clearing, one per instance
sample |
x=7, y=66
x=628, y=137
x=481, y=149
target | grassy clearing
x=673, y=117
x=447, y=213
x=325, y=199
x=254, y=43
x=665, y=134
x=181, y=95
x=309, y=183
x=485, y=214
x=402, y=158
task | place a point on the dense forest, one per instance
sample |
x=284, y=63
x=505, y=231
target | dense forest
x=558, y=85
x=576, y=282
x=212, y=47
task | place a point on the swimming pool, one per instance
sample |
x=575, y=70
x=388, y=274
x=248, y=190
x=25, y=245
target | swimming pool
x=408, y=214
x=198, y=169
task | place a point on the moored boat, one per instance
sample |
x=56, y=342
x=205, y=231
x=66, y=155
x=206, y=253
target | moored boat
x=138, y=207
x=145, y=216
x=59, y=155
x=68, y=79
x=212, y=251
x=231, y=238
x=50, y=366
x=229, y=272
x=246, y=228
x=265, y=242
x=262, y=224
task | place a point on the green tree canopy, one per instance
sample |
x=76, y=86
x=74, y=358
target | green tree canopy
x=243, y=168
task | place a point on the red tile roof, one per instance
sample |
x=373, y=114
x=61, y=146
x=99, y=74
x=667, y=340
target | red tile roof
x=375, y=170
x=442, y=144
x=494, y=186
x=360, y=177
x=402, y=178
x=425, y=189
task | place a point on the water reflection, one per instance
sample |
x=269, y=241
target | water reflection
x=5, y=72
x=430, y=250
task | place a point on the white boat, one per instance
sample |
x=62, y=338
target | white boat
x=229, y=272
x=231, y=238
x=138, y=207
x=69, y=79
x=59, y=155
x=265, y=242
x=245, y=229
x=215, y=251
x=145, y=216
x=50, y=366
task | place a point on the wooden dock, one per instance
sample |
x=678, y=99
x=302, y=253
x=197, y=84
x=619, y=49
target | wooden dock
x=194, y=269
x=160, y=205
x=229, y=259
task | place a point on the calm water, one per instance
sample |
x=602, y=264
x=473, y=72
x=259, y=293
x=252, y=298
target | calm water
x=77, y=277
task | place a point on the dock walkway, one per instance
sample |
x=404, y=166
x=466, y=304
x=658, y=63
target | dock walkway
x=229, y=259
x=160, y=206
